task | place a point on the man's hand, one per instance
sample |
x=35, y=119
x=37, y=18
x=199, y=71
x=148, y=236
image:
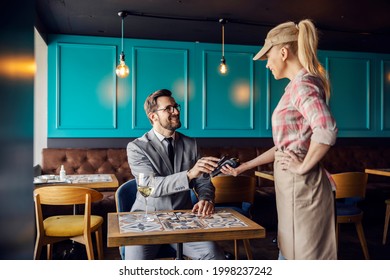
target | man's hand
x=203, y=208
x=203, y=165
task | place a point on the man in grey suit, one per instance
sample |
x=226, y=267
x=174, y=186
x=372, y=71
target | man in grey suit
x=174, y=180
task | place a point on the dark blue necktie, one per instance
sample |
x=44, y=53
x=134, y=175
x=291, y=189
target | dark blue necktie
x=171, y=153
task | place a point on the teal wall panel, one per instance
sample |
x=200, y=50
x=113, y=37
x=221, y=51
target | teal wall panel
x=385, y=96
x=262, y=98
x=85, y=98
x=226, y=105
x=81, y=102
x=275, y=91
x=228, y=99
x=351, y=94
x=158, y=68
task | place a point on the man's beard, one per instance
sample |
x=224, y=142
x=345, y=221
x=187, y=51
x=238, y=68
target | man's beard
x=169, y=125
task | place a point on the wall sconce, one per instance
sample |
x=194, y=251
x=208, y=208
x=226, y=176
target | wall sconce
x=223, y=67
x=122, y=70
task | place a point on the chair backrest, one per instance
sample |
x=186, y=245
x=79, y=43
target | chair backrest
x=125, y=196
x=66, y=195
x=350, y=184
x=230, y=189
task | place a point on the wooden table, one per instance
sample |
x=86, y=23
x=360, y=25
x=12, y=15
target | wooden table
x=265, y=174
x=379, y=171
x=163, y=236
x=86, y=180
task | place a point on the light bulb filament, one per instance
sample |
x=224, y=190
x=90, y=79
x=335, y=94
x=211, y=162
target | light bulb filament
x=223, y=67
x=122, y=70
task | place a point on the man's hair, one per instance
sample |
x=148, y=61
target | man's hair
x=150, y=104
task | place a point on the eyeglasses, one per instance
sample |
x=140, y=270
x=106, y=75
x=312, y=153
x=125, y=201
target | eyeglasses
x=170, y=108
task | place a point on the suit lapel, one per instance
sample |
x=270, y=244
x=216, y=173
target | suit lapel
x=179, y=148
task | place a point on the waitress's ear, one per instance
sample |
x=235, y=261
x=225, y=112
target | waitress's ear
x=284, y=51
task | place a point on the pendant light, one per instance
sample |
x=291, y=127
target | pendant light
x=223, y=67
x=122, y=70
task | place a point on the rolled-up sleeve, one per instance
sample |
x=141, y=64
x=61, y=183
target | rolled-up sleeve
x=316, y=112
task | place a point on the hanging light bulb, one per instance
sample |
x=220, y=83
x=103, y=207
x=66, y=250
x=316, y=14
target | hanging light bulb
x=223, y=69
x=122, y=70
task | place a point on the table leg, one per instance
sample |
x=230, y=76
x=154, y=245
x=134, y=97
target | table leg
x=179, y=251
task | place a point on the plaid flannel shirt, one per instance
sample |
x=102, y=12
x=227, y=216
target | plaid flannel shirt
x=302, y=115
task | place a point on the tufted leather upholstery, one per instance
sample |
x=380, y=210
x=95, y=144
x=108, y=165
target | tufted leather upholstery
x=107, y=160
x=87, y=161
x=358, y=158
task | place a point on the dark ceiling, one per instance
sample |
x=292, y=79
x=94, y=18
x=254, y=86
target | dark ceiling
x=351, y=25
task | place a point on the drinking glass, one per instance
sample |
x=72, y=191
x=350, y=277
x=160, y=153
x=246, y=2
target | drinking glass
x=145, y=186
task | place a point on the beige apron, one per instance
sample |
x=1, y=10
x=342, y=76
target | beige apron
x=306, y=218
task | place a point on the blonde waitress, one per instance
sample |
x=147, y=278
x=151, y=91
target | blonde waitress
x=303, y=130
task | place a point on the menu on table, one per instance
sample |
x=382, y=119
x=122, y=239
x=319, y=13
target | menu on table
x=168, y=221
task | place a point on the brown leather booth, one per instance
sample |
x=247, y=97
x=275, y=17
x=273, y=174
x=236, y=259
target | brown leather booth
x=114, y=161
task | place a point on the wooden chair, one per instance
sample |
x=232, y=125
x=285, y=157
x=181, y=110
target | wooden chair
x=125, y=197
x=350, y=190
x=75, y=227
x=387, y=218
x=237, y=193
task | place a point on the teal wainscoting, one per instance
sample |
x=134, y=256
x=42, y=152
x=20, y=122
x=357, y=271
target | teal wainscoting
x=226, y=103
x=359, y=81
x=383, y=100
x=157, y=68
x=352, y=99
x=87, y=100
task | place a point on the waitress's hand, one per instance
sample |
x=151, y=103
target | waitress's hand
x=228, y=170
x=291, y=162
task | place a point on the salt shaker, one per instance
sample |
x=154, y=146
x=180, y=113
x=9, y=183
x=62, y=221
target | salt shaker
x=62, y=173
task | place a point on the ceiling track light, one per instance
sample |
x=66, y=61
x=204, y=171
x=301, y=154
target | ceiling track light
x=122, y=70
x=223, y=67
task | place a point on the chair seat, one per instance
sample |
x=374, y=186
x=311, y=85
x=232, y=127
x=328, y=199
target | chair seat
x=347, y=210
x=69, y=225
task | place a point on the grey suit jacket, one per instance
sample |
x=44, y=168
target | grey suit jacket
x=172, y=189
